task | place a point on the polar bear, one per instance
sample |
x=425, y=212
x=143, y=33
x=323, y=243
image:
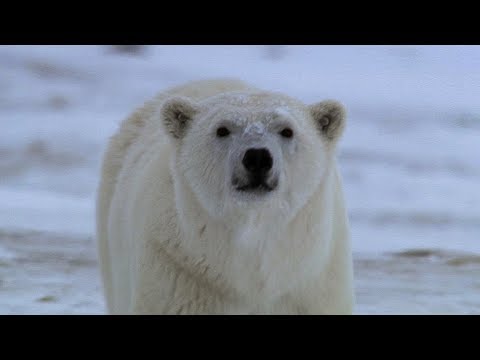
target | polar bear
x=220, y=198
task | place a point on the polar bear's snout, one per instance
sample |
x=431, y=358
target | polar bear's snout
x=256, y=174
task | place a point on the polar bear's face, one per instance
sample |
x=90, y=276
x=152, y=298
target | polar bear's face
x=239, y=152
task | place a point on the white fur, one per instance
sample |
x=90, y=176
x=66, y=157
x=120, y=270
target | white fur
x=174, y=237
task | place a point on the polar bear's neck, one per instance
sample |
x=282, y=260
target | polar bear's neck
x=262, y=253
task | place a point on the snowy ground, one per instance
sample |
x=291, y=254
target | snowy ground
x=409, y=160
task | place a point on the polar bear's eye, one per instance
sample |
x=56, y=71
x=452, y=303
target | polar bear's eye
x=286, y=133
x=222, y=131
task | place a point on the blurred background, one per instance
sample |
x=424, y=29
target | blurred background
x=409, y=159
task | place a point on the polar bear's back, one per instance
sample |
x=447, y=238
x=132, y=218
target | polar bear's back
x=131, y=131
x=203, y=89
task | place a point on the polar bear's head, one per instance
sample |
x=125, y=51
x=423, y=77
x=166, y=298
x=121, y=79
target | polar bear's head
x=258, y=150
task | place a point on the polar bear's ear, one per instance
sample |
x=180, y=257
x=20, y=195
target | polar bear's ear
x=329, y=117
x=177, y=114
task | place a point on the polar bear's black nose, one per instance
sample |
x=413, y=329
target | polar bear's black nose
x=257, y=161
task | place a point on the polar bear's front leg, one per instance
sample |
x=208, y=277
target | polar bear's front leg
x=174, y=291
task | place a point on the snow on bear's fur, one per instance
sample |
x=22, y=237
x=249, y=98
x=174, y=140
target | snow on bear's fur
x=220, y=198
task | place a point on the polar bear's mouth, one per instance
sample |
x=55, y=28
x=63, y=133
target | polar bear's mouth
x=263, y=187
x=257, y=185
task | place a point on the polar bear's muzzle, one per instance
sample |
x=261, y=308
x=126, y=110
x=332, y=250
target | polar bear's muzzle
x=256, y=173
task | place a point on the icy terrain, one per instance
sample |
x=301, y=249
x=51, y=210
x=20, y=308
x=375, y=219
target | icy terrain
x=409, y=158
